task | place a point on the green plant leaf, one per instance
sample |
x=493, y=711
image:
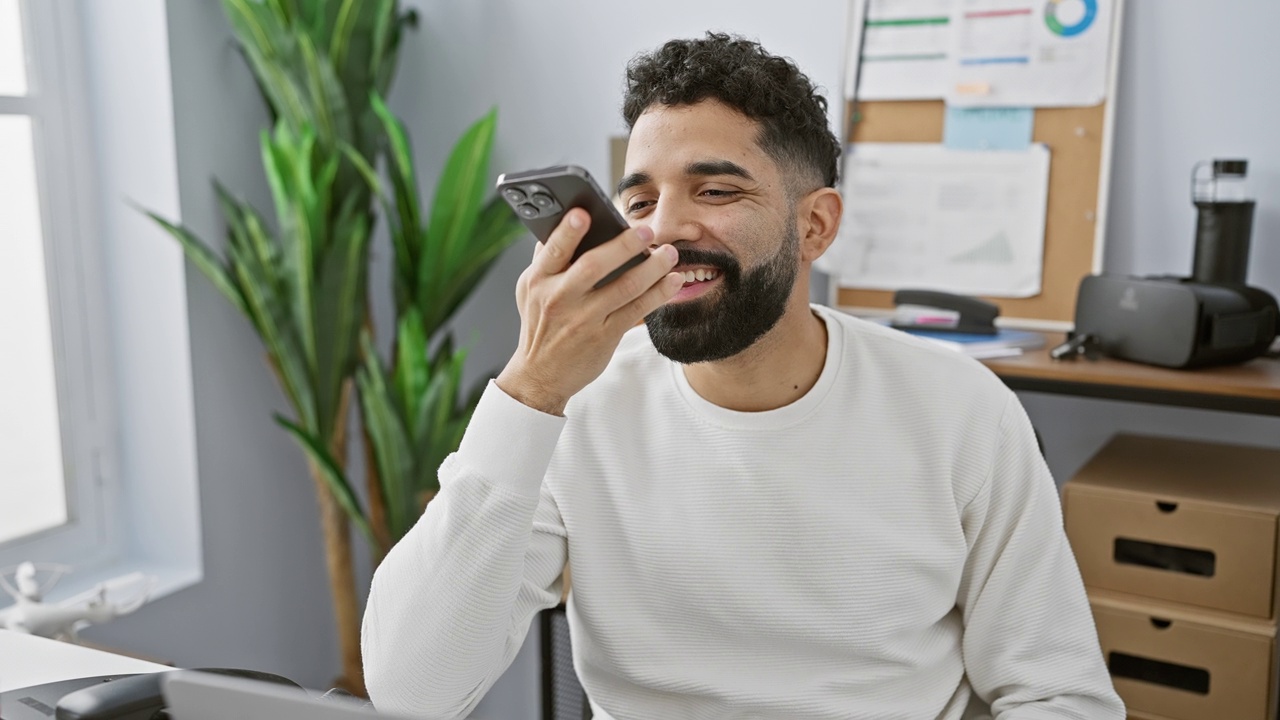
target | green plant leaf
x=385, y=427
x=343, y=27
x=406, y=233
x=455, y=211
x=250, y=24
x=328, y=99
x=340, y=298
x=273, y=326
x=205, y=261
x=496, y=230
x=331, y=473
x=365, y=169
x=286, y=10
x=412, y=369
x=386, y=41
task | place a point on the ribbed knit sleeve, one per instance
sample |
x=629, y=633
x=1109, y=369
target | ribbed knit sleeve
x=451, y=603
x=1030, y=646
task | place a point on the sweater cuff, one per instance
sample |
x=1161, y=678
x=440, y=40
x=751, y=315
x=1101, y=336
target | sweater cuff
x=509, y=443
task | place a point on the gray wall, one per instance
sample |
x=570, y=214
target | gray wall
x=554, y=69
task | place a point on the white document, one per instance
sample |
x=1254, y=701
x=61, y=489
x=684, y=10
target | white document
x=921, y=216
x=903, y=49
x=981, y=53
x=1041, y=53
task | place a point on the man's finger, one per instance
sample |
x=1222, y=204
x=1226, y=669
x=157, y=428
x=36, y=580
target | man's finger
x=634, y=282
x=598, y=262
x=655, y=297
x=557, y=251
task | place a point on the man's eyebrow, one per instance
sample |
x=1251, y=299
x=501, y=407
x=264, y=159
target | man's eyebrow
x=700, y=168
x=717, y=167
x=633, y=180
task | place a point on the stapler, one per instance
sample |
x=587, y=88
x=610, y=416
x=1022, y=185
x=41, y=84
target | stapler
x=943, y=312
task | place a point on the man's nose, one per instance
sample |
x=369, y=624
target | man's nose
x=673, y=220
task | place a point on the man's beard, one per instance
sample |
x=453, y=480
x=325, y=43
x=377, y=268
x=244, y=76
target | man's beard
x=730, y=320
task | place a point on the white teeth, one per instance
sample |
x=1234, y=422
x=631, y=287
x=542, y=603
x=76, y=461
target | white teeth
x=699, y=275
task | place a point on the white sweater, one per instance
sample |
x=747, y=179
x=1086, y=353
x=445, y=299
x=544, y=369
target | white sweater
x=888, y=546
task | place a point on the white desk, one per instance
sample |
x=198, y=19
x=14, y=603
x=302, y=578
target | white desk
x=27, y=660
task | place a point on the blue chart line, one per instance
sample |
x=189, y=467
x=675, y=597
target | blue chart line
x=1017, y=60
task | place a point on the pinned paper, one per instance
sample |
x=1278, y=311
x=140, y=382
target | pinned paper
x=988, y=128
x=1051, y=53
x=973, y=88
x=960, y=221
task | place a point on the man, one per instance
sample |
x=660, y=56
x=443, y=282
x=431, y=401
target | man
x=772, y=510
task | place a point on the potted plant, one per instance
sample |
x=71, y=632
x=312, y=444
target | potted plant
x=323, y=67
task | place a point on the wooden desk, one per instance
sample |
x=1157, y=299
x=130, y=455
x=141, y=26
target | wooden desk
x=1252, y=387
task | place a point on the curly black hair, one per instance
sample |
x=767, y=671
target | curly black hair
x=739, y=73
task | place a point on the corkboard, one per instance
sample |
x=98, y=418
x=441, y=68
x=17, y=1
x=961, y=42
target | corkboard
x=1075, y=140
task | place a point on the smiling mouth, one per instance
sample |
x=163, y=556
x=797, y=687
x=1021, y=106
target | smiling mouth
x=700, y=275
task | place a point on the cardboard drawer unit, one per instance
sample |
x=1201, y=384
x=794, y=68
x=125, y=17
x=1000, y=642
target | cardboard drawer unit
x=1167, y=661
x=1188, y=522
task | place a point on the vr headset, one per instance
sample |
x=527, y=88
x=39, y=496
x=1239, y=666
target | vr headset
x=1174, y=322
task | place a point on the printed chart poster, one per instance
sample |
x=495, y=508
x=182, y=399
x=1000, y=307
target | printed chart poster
x=1028, y=53
x=922, y=215
x=1032, y=53
x=904, y=50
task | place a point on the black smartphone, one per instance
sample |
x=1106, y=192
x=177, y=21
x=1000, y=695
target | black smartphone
x=542, y=197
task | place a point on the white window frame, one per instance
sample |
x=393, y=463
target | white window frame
x=117, y=286
x=82, y=363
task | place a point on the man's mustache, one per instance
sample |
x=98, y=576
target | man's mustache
x=719, y=260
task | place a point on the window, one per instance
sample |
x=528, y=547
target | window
x=54, y=416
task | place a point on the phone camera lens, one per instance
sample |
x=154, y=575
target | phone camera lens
x=527, y=211
x=543, y=201
x=513, y=195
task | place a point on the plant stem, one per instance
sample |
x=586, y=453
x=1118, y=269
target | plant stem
x=378, y=519
x=377, y=502
x=338, y=559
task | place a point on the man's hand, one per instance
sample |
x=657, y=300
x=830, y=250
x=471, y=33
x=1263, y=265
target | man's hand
x=568, y=329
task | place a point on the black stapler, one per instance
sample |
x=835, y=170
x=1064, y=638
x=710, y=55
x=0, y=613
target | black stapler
x=943, y=312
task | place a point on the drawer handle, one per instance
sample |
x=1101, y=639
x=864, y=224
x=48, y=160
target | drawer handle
x=1166, y=507
x=1161, y=623
x=1158, y=672
x=1191, y=561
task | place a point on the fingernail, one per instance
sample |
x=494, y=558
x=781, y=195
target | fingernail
x=670, y=251
x=645, y=234
x=575, y=220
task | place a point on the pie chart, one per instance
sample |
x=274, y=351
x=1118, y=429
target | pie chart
x=1068, y=18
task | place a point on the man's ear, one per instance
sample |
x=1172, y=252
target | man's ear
x=818, y=215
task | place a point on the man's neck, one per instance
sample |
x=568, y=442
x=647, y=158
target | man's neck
x=774, y=372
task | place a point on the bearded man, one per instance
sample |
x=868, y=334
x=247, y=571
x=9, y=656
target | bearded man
x=773, y=510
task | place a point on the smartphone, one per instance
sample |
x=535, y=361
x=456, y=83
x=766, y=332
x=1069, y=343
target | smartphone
x=542, y=197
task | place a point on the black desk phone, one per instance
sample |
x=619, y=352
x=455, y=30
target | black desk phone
x=105, y=697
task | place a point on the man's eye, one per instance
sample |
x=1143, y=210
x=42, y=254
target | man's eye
x=639, y=205
x=720, y=193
